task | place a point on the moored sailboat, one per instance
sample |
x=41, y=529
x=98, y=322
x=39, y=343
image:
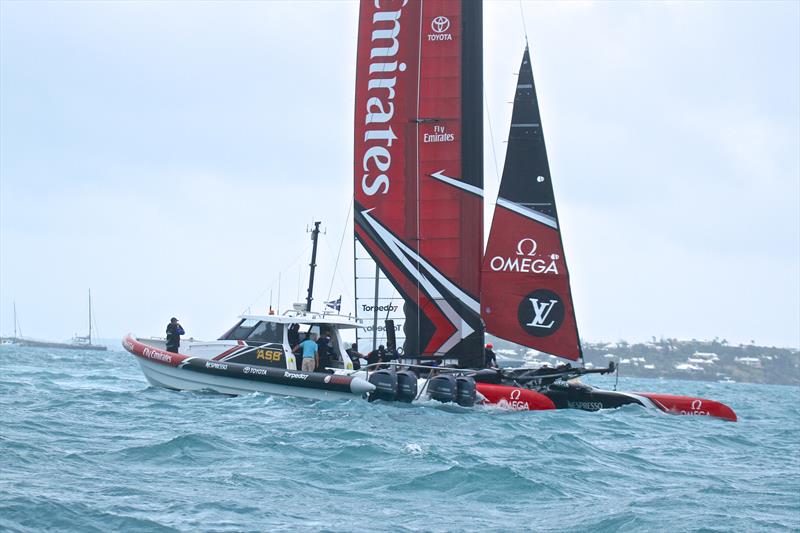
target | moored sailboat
x=78, y=342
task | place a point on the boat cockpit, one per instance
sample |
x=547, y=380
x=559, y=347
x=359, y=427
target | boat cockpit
x=290, y=328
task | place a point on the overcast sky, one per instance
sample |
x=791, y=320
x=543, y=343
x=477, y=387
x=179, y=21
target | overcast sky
x=169, y=156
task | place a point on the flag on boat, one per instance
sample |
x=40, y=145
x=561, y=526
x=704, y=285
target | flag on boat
x=335, y=304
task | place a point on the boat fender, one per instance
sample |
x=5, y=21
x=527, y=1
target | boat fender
x=465, y=391
x=443, y=387
x=385, y=382
x=406, y=386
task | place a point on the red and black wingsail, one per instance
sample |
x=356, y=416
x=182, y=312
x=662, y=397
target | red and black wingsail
x=419, y=166
x=525, y=293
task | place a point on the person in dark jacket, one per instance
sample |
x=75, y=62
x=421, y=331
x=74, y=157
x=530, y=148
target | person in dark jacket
x=294, y=339
x=376, y=356
x=324, y=349
x=489, y=359
x=174, y=332
x=355, y=356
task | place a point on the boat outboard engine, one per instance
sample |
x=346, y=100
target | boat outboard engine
x=406, y=386
x=443, y=387
x=465, y=391
x=385, y=382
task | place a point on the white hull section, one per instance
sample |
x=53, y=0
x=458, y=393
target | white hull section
x=160, y=375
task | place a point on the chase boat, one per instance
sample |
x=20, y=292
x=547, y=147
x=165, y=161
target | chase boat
x=252, y=356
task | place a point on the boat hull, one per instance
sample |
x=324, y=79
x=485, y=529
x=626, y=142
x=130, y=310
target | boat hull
x=58, y=345
x=182, y=372
x=586, y=398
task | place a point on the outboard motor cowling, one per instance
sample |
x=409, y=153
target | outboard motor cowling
x=406, y=386
x=385, y=382
x=443, y=387
x=465, y=391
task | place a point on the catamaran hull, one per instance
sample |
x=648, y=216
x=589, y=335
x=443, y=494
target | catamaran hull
x=591, y=399
x=182, y=372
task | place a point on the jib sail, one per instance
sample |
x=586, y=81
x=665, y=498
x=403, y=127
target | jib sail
x=525, y=292
x=418, y=173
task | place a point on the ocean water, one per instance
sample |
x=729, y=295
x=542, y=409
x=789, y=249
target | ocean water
x=87, y=445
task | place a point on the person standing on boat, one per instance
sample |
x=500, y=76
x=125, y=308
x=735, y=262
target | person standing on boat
x=355, y=356
x=324, y=351
x=489, y=359
x=309, y=351
x=294, y=341
x=376, y=356
x=174, y=332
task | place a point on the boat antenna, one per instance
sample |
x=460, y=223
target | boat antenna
x=278, y=307
x=313, y=264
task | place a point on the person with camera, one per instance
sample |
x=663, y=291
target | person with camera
x=174, y=332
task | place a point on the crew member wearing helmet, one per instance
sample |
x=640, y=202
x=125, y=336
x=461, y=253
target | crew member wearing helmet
x=489, y=359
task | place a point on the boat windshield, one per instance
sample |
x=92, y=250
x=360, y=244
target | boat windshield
x=253, y=330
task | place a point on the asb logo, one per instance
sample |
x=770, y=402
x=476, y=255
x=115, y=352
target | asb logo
x=440, y=24
x=541, y=313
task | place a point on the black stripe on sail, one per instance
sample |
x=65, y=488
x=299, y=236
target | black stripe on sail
x=526, y=174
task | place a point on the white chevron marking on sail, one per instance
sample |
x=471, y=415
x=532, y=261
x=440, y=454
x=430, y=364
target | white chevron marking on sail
x=456, y=183
x=530, y=213
x=403, y=254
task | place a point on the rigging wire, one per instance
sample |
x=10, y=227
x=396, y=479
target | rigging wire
x=491, y=138
x=339, y=253
x=277, y=278
x=524, y=28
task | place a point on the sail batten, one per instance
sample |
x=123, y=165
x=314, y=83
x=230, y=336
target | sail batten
x=525, y=292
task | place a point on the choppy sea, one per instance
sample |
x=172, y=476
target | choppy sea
x=86, y=445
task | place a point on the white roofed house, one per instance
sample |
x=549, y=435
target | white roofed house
x=755, y=362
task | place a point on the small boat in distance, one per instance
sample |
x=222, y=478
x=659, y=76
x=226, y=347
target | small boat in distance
x=78, y=342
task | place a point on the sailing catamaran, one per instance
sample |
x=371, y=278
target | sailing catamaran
x=420, y=268
x=419, y=214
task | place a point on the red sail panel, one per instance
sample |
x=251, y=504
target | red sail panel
x=439, y=135
x=417, y=216
x=525, y=292
x=385, y=111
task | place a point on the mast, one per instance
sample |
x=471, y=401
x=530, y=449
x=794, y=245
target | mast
x=15, y=319
x=90, y=316
x=313, y=264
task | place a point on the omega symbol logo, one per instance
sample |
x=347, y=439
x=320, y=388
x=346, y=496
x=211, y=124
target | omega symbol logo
x=515, y=394
x=440, y=24
x=697, y=405
x=526, y=246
